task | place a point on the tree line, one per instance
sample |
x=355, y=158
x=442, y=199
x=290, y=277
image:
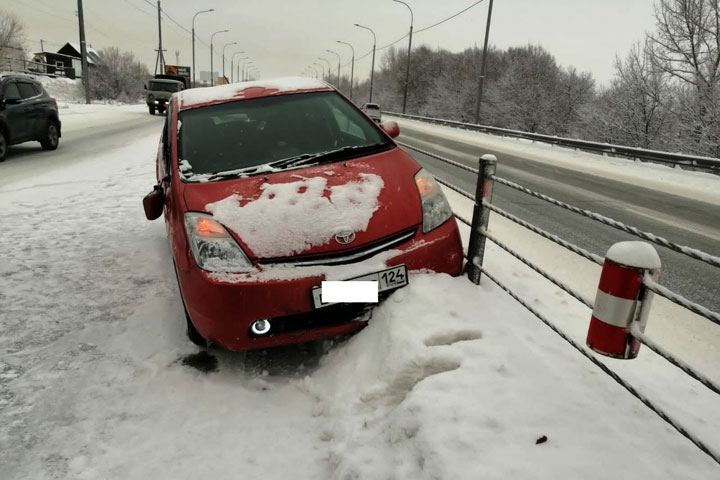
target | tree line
x=665, y=93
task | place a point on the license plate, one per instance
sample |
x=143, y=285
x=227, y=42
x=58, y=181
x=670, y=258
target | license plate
x=389, y=279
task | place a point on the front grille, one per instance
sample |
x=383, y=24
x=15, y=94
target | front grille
x=346, y=256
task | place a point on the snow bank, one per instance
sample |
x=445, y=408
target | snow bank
x=63, y=89
x=197, y=96
x=696, y=185
x=456, y=381
x=310, y=212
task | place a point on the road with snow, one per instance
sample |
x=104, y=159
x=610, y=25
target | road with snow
x=449, y=380
x=682, y=220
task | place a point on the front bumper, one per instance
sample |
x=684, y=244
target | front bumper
x=222, y=307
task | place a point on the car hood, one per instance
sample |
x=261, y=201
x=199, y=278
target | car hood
x=315, y=210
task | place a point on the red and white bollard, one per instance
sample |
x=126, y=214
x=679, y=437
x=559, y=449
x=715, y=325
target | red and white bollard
x=621, y=299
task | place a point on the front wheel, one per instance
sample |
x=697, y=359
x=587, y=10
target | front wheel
x=3, y=145
x=52, y=136
x=152, y=110
x=193, y=334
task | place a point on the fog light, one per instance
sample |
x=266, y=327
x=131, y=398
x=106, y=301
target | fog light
x=260, y=327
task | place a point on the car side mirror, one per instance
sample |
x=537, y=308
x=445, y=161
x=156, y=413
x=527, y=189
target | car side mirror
x=391, y=128
x=154, y=202
x=12, y=100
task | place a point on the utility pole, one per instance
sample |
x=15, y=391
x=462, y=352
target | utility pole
x=160, y=60
x=83, y=52
x=482, y=65
x=42, y=46
x=177, y=57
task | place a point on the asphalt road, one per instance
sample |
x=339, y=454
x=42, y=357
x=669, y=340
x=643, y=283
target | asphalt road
x=78, y=144
x=678, y=219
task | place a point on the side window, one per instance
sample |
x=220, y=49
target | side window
x=26, y=90
x=346, y=125
x=11, y=90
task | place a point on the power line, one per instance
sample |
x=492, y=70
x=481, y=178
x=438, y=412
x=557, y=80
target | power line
x=450, y=17
x=420, y=30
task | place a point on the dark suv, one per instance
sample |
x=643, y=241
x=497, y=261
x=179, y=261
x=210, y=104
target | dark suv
x=27, y=113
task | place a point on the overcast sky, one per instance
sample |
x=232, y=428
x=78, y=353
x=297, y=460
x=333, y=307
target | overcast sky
x=282, y=37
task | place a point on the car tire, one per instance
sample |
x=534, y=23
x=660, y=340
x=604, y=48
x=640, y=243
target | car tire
x=4, y=144
x=51, y=139
x=152, y=110
x=161, y=110
x=193, y=334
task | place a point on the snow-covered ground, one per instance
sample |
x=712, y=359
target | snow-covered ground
x=696, y=185
x=449, y=380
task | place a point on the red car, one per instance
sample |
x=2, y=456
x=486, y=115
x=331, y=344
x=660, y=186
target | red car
x=270, y=187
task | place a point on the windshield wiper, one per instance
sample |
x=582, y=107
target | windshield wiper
x=237, y=173
x=332, y=155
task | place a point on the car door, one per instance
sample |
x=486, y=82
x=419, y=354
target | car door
x=33, y=102
x=17, y=120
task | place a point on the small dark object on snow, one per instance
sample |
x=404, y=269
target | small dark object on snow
x=202, y=361
x=540, y=440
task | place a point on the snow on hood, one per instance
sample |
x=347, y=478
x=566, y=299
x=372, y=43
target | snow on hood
x=258, y=88
x=309, y=211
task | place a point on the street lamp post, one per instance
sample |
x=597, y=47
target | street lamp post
x=482, y=65
x=407, y=71
x=193, y=42
x=372, y=68
x=232, y=65
x=322, y=68
x=212, y=73
x=352, y=67
x=245, y=70
x=223, y=55
x=329, y=67
x=338, y=73
x=314, y=71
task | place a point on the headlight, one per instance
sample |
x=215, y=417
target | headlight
x=212, y=246
x=435, y=207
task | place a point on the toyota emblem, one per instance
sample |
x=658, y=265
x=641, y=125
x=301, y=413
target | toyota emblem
x=344, y=237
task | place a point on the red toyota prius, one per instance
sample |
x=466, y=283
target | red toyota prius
x=268, y=188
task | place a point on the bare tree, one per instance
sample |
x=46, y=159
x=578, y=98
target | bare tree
x=118, y=77
x=686, y=46
x=637, y=108
x=12, y=36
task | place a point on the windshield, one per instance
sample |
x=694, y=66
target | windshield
x=250, y=133
x=164, y=87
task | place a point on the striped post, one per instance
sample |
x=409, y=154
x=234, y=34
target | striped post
x=481, y=216
x=622, y=299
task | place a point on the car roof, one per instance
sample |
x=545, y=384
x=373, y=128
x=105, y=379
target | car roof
x=17, y=76
x=197, y=97
x=165, y=80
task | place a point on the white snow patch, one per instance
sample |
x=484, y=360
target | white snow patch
x=184, y=166
x=634, y=254
x=309, y=216
x=197, y=96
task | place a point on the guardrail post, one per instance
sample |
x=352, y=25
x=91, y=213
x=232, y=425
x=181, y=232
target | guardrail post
x=622, y=300
x=481, y=215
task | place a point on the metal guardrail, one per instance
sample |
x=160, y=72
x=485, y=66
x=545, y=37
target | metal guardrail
x=479, y=233
x=692, y=162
